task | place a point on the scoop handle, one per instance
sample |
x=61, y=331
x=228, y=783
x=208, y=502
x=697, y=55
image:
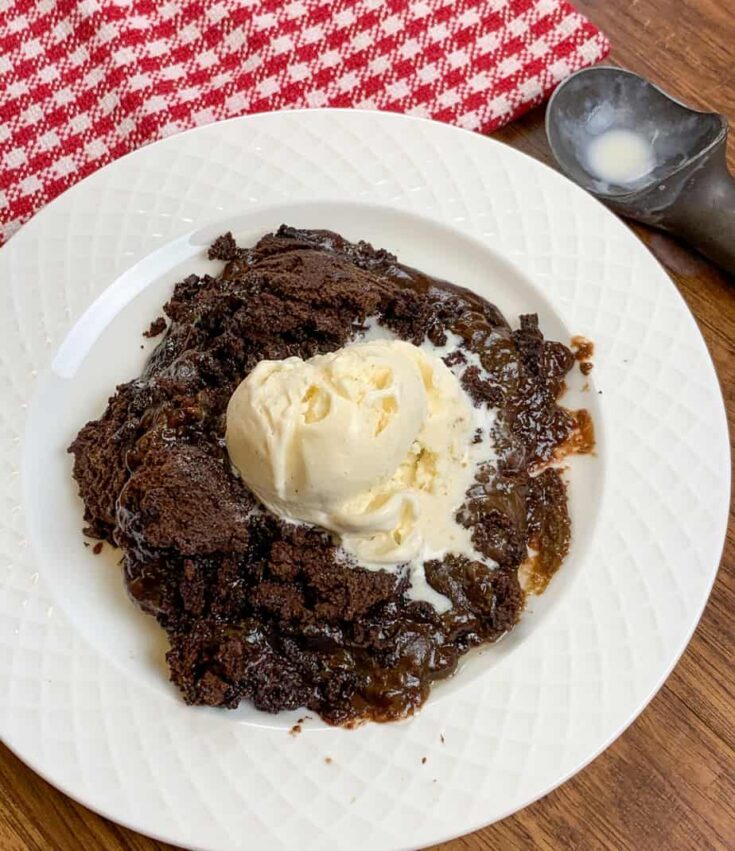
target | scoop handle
x=704, y=214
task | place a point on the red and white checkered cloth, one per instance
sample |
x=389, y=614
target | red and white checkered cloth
x=85, y=81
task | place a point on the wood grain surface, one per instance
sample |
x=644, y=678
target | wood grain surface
x=669, y=781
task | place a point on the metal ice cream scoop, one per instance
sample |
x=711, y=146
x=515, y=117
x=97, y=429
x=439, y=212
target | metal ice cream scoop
x=647, y=156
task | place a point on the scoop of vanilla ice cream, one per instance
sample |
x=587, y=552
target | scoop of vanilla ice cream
x=308, y=436
x=372, y=442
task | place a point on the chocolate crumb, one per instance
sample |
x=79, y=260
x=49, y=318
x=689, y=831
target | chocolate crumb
x=441, y=738
x=223, y=248
x=583, y=348
x=158, y=326
x=97, y=548
x=423, y=760
x=454, y=358
x=328, y=760
x=295, y=730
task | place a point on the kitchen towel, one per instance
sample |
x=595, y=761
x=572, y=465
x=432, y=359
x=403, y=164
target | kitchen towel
x=83, y=82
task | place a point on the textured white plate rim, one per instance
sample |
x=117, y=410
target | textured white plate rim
x=673, y=653
x=145, y=828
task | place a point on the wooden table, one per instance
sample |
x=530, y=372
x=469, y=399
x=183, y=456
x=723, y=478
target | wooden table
x=669, y=781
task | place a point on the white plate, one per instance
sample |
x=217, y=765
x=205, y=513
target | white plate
x=84, y=697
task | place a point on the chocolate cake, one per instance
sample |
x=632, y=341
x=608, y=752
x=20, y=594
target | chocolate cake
x=259, y=609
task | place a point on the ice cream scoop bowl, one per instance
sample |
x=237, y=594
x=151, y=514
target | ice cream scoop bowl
x=647, y=156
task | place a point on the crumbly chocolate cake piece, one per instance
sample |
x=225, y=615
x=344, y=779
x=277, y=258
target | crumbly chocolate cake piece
x=156, y=328
x=274, y=613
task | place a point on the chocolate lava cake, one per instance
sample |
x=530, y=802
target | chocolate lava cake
x=256, y=608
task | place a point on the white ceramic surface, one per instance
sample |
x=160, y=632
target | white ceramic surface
x=84, y=697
